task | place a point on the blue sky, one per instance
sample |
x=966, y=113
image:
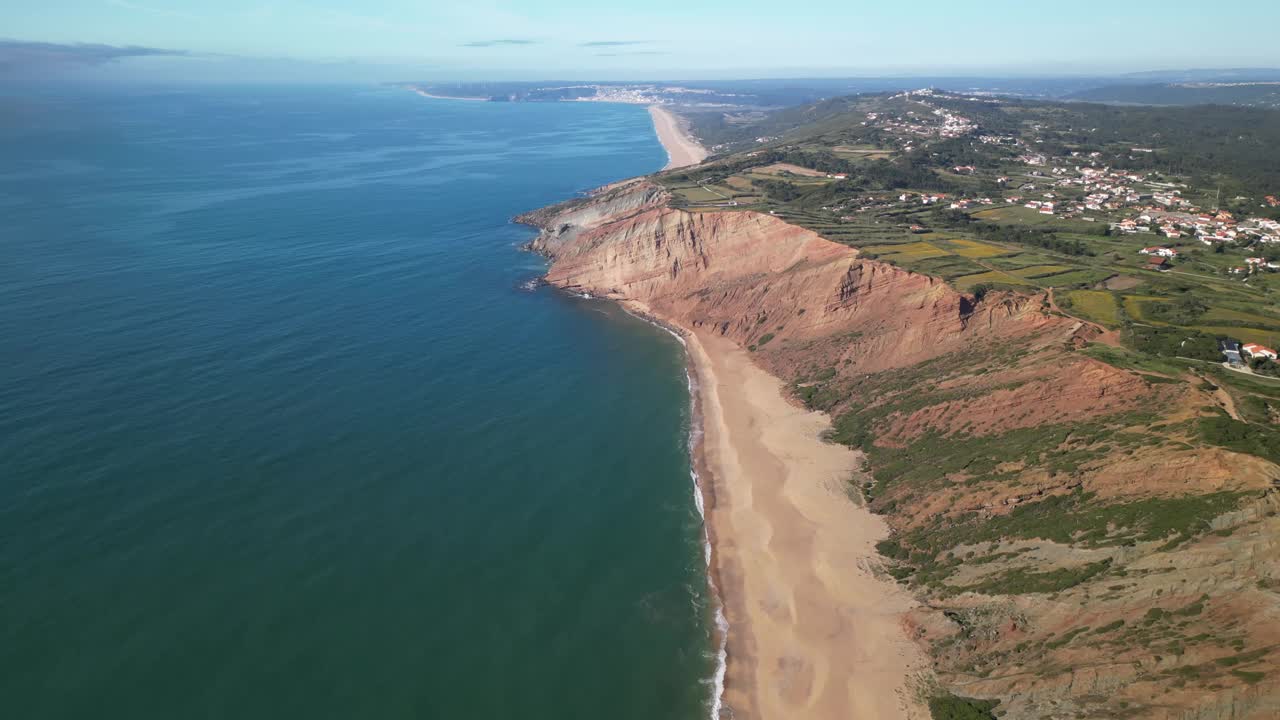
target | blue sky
x=670, y=39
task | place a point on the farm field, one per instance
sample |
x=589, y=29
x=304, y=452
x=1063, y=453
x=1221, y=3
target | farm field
x=788, y=168
x=1096, y=305
x=975, y=248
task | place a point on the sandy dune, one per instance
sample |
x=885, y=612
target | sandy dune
x=813, y=632
x=681, y=148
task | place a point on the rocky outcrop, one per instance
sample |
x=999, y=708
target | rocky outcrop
x=561, y=224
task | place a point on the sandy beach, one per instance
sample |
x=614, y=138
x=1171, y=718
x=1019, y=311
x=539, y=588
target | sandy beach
x=813, y=632
x=682, y=149
x=426, y=94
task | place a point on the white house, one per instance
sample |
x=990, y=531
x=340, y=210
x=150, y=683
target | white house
x=1255, y=350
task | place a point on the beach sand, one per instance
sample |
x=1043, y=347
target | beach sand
x=813, y=632
x=426, y=94
x=682, y=149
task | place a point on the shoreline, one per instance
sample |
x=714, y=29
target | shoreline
x=704, y=499
x=814, y=632
x=682, y=149
x=804, y=625
x=426, y=94
x=704, y=496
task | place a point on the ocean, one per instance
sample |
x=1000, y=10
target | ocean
x=287, y=430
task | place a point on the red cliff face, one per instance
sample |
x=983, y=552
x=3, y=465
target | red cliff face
x=927, y=366
x=805, y=301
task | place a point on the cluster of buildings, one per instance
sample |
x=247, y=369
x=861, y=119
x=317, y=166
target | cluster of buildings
x=923, y=198
x=1160, y=207
x=935, y=198
x=638, y=94
x=966, y=203
x=942, y=124
x=1075, y=186
x=1255, y=264
x=954, y=125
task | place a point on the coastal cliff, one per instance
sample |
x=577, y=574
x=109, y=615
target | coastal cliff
x=1076, y=548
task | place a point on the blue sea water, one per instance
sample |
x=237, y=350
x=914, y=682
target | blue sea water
x=283, y=434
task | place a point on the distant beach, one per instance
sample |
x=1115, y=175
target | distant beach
x=682, y=149
x=426, y=94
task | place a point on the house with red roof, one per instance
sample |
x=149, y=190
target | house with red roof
x=1255, y=350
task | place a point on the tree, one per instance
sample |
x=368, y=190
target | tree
x=1265, y=366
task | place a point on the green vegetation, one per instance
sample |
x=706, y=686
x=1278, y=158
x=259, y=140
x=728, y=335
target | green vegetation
x=1249, y=676
x=1242, y=437
x=1075, y=518
x=1021, y=581
x=952, y=707
x=1109, y=627
x=1173, y=342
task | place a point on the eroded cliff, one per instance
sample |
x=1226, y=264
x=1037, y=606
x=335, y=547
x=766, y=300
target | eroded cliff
x=1080, y=551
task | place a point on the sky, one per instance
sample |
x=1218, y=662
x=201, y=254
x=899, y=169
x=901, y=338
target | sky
x=389, y=40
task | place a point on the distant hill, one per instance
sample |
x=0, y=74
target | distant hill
x=1251, y=94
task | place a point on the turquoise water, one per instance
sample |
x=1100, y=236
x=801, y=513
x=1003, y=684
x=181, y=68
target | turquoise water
x=283, y=434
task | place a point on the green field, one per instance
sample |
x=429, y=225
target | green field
x=994, y=277
x=700, y=195
x=1036, y=271
x=975, y=248
x=916, y=251
x=1096, y=305
x=1072, y=277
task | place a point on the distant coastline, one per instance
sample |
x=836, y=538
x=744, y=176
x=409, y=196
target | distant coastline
x=683, y=149
x=426, y=94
